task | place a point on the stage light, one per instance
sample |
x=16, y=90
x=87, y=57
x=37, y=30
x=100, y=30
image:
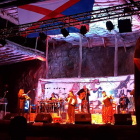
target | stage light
x=42, y=36
x=2, y=42
x=124, y=25
x=109, y=25
x=64, y=32
x=83, y=30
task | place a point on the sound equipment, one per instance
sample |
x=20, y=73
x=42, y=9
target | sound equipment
x=124, y=25
x=123, y=119
x=83, y=118
x=46, y=118
x=10, y=116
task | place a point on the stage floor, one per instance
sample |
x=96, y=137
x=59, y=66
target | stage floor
x=95, y=118
x=56, y=131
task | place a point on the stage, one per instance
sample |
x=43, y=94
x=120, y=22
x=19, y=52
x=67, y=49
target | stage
x=58, y=128
x=56, y=131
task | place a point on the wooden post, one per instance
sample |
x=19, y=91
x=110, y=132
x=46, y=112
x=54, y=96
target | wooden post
x=47, y=70
x=116, y=57
x=80, y=54
x=36, y=43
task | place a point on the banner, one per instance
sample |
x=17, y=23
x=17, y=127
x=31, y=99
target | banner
x=114, y=86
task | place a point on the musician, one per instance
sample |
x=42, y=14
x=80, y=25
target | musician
x=107, y=109
x=53, y=97
x=123, y=103
x=21, y=101
x=84, y=94
x=72, y=100
x=133, y=94
x=53, y=103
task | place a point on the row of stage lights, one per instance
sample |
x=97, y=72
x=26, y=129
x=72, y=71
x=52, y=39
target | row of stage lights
x=123, y=25
x=64, y=32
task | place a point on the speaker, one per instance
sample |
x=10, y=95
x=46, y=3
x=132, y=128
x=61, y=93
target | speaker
x=124, y=25
x=10, y=116
x=123, y=119
x=46, y=118
x=84, y=118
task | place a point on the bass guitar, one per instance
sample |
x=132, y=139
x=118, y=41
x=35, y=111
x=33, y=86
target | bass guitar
x=82, y=95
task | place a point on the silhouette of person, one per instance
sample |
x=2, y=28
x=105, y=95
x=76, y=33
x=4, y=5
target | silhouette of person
x=18, y=127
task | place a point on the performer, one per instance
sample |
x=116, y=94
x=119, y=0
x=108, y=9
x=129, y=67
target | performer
x=84, y=94
x=22, y=97
x=133, y=94
x=52, y=97
x=107, y=109
x=123, y=103
x=53, y=103
x=72, y=101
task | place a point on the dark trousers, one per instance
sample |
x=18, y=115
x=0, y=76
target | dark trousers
x=71, y=112
x=85, y=106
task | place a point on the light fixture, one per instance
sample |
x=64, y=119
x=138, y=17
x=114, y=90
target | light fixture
x=124, y=25
x=83, y=30
x=109, y=25
x=64, y=32
x=42, y=36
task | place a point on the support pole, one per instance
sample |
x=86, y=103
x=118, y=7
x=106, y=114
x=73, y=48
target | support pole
x=80, y=54
x=116, y=57
x=47, y=70
x=36, y=43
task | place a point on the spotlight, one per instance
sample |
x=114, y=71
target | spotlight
x=64, y=32
x=42, y=36
x=83, y=30
x=124, y=25
x=109, y=25
x=3, y=42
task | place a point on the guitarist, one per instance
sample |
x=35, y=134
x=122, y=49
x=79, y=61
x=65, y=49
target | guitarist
x=72, y=101
x=84, y=94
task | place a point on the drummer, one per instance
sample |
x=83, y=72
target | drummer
x=53, y=97
x=53, y=103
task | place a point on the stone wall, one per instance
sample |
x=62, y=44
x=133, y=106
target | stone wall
x=97, y=61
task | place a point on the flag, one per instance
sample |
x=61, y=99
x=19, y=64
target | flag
x=53, y=9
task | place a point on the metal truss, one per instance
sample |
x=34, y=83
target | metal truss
x=118, y=11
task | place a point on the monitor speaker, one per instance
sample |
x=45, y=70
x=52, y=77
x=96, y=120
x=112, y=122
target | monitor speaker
x=124, y=25
x=83, y=118
x=46, y=118
x=10, y=116
x=123, y=119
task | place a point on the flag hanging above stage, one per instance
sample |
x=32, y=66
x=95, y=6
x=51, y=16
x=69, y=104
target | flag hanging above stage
x=53, y=9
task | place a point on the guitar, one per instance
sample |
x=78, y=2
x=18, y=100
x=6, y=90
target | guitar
x=82, y=95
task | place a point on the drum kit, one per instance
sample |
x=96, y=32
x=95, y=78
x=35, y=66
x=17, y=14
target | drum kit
x=50, y=106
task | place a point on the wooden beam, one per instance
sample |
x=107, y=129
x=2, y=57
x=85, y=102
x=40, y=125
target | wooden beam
x=47, y=69
x=116, y=57
x=14, y=57
x=80, y=54
x=103, y=39
x=8, y=17
x=16, y=61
